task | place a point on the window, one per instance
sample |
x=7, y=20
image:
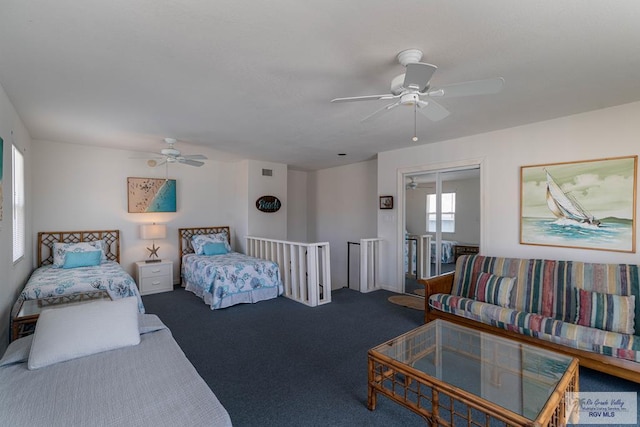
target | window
x=448, y=213
x=18, y=203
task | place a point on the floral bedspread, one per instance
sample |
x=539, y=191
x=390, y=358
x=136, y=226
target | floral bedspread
x=447, y=254
x=109, y=276
x=229, y=279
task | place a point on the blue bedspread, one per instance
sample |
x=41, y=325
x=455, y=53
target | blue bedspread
x=234, y=278
x=447, y=253
x=109, y=276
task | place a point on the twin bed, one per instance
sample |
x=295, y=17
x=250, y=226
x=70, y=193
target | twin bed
x=149, y=384
x=52, y=278
x=224, y=278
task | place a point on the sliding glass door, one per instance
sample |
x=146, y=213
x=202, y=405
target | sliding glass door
x=444, y=205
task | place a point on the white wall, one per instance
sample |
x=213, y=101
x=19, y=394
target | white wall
x=267, y=224
x=603, y=133
x=79, y=187
x=344, y=205
x=467, y=210
x=14, y=276
x=297, y=223
x=242, y=207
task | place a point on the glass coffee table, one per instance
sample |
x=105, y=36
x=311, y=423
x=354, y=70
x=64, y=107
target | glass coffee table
x=453, y=375
x=24, y=322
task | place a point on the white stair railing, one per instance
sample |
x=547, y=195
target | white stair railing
x=305, y=268
x=369, y=264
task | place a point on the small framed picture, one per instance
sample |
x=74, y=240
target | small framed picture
x=386, y=202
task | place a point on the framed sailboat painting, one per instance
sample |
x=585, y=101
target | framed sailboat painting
x=587, y=204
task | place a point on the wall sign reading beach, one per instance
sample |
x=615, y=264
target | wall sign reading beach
x=588, y=204
x=151, y=195
x=268, y=204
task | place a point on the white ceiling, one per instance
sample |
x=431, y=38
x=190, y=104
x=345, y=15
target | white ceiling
x=254, y=78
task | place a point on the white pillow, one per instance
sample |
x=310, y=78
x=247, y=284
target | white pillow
x=73, y=331
x=198, y=241
x=60, y=250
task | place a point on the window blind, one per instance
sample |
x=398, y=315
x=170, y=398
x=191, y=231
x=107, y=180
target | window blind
x=18, y=203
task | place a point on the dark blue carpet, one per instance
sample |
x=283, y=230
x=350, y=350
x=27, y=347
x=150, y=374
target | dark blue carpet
x=281, y=363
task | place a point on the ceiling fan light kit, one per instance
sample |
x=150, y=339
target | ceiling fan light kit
x=413, y=88
x=412, y=185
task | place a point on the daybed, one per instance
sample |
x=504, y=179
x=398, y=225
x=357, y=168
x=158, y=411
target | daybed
x=56, y=275
x=103, y=363
x=220, y=277
x=587, y=310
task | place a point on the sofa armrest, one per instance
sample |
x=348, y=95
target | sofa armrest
x=435, y=285
x=438, y=285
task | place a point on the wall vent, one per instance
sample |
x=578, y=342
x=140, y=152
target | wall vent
x=267, y=172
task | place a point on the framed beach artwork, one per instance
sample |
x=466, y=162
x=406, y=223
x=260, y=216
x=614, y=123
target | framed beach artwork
x=151, y=195
x=587, y=204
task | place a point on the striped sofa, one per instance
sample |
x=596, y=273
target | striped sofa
x=590, y=311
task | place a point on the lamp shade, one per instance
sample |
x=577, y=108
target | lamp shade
x=153, y=231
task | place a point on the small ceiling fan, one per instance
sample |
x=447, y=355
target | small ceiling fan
x=173, y=155
x=413, y=88
x=412, y=184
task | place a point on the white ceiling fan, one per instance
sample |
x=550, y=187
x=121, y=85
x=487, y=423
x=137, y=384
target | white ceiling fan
x=412, y=184
x=173, y=155
x=413, y=88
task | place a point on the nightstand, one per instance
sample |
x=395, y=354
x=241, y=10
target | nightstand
x=154, y=277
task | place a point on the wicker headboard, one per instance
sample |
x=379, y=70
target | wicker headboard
x=46, y=239
x=187, y=233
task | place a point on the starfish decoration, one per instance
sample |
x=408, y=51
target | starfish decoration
x=153, y=251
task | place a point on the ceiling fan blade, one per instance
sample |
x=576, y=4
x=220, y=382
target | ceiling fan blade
x=365, y=98
x=418, y=75
x=191, y=162
x=432, y=110
x=196, y=157
x=475, y=87
x=161, y=163
x=380, y=111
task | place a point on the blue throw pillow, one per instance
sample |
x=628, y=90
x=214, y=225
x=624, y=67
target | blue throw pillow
x=82, y=259
x=215, y=248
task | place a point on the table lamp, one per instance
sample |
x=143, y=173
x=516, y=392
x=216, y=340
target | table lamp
x=152, y=232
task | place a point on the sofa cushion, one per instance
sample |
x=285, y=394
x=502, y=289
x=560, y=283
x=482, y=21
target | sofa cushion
x=605, y=311
x=494, y=289
x=623, y=346
x=545, y=287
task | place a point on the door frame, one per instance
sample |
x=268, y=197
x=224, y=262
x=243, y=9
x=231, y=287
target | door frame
x=401, y=176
